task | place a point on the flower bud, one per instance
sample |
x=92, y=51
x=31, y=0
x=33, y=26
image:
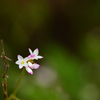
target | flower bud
x=5, y=76
x=3, y=86
x=4, y=95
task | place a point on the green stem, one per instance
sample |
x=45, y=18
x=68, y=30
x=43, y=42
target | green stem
x=16, y=88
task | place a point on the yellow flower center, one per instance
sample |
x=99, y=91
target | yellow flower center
x=22, y=62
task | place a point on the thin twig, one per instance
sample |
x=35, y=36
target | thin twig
x=6, y=66
x=3, y=56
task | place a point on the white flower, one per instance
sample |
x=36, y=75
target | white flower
x=33, y=66
x=21, y=61
x=34, y=54
x=28, y=62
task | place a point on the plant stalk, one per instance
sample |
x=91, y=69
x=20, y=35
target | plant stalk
x=13, y=96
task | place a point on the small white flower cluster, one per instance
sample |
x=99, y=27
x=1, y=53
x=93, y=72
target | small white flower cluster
x=28, y=62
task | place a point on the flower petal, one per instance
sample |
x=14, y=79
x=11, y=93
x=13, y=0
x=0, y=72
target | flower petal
x=17, y=62
x=19, y=57
x=20, y=66
x=29, y=57
x=36, y=51
x=30, y=65
x=30, y=50
x=40, y=57
x=36, y=66
x=33, y=55
x=29, y=70
x=25, y=65
x=26, y=59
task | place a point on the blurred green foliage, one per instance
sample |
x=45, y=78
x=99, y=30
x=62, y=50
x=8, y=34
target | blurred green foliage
x=67, y=34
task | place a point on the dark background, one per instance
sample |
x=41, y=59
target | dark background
x=67, y=33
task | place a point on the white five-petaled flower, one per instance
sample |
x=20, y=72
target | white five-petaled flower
x=34, y=54
x=28, y=61
x=21, y=61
